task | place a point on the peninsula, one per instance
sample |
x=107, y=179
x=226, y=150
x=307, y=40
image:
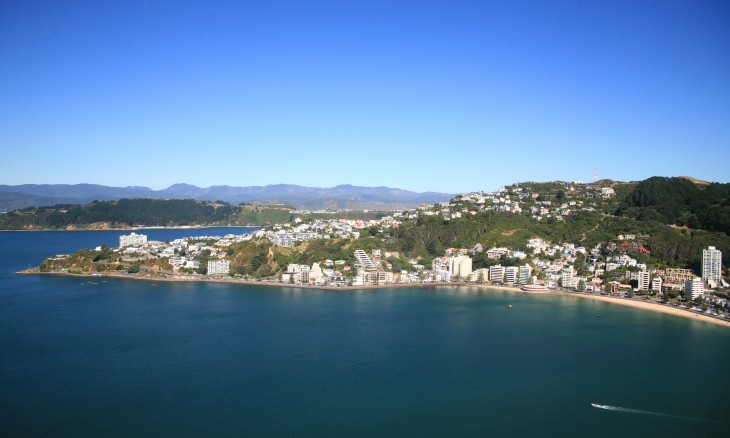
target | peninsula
x=560, y=237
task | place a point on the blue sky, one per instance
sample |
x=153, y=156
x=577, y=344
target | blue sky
x=449, y=96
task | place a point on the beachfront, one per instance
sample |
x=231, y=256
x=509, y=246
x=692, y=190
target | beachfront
x=640, y=304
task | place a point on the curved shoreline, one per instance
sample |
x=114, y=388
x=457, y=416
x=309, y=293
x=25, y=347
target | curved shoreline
x=645, y=305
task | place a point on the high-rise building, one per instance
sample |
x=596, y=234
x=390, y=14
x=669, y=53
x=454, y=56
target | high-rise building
x=460, y=266
x=567, y=277
x=525, y=271
x=712, y=266
x=644, y=280
x=496, y=274
x=656, y=284
x=510, y=274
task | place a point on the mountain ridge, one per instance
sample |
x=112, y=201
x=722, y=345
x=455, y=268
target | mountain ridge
x=303, y=197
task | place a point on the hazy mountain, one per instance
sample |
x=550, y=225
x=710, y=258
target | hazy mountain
x=342, y=196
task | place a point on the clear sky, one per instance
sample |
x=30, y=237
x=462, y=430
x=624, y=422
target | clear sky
x=450, y=96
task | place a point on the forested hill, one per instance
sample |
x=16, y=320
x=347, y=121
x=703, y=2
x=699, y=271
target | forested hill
x=142, y=212
x=679, y=201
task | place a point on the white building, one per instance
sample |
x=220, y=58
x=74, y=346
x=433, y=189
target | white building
x=218, y=267
x=364, y=260
x=496, y=274
x=656, y=284
x=133, y=239
x=460, y=266
x=644, y=280
x=316, y=274
x=293, y=268
x=511, y=274
x=712, y=266
x=525, y=271
x=694, y=288
x=480, y=274
x=567, y=277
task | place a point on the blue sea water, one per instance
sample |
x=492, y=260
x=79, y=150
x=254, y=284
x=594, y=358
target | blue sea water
x=86, y=357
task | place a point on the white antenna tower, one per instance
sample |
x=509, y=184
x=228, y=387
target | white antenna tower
x=595, y=173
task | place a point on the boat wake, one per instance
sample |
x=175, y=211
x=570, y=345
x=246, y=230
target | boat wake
x=639, y=411
x=632, y=411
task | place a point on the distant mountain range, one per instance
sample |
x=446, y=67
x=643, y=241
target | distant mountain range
x=339, y=197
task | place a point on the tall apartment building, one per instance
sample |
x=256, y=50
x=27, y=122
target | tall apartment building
x=644, y=280
x=133, y=239
x=510, y=274
x=712, y=266
x=496, y=274
x=460, y=266
x=525, y=271
x=567, y=277
x=656, y=284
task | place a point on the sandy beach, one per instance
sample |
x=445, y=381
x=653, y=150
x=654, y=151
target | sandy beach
x=645, y=305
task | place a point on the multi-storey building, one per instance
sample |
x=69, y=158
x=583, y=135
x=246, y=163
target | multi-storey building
x=510, y=274
x=677, y=275
x=460, y=266
x=218, y=267
x=712, y=266
x=364, y=260
x=496, y=274
x=694, y=288
x=656, y=284
x=644, y=280
x=567, y=277
x=525, y=271
x=133, y=239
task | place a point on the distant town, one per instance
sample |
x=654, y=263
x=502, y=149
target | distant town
x=610, y=268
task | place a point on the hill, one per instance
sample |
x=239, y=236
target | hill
x=301, y=197
x=680, y=201
x=126, y=213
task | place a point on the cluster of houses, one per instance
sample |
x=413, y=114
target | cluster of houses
x=183, y=253
x=301, y=231
x=519, y=199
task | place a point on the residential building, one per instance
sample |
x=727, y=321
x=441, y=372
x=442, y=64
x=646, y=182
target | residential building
x=460, y=266
x=315, y=273
x=694, y=288
x=677, y=275
x=218, y=267
x=364, y=260
x=385, y=277
x=567, y=277
x=480, y=275
x=712, y=266
x=293, y=268
x=656, y=284
x=644, y=280
x=496, y=274
x=133, y=239
x=525, y=272
x=511, y=274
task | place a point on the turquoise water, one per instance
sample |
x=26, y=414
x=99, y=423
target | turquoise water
x=121, y=358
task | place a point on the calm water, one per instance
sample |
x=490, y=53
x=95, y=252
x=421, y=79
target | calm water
x=126, y=358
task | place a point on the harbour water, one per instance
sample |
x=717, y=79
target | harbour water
x=95, y=357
